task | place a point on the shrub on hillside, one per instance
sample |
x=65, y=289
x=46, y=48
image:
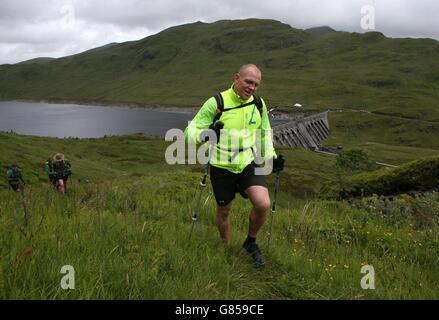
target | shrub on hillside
x=416, y=175
x=417, y=210
x=347, y=163
x=355, y=160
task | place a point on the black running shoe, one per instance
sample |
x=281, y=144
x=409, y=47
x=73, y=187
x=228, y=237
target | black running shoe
x=253, y=249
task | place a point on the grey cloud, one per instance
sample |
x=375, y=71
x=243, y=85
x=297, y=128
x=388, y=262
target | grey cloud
x=22, y=11
x=80, y=24
x=154, y=15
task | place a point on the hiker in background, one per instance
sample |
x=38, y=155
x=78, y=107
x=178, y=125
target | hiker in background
x=62, y=169
x=48, y=168
x=14, y=177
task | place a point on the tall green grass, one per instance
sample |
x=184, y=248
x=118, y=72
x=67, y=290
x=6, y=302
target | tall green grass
x=130, y=240
x=124, y=226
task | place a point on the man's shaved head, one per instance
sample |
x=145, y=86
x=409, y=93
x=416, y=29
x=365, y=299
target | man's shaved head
x=247, y=80
x=249, y=67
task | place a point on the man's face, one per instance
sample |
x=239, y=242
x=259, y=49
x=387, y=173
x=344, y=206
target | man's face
x=247, y=82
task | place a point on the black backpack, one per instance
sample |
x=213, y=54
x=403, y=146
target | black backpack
x=61, y=167
x=220, y=106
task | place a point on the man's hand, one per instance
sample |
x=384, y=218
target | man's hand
x=216, y=128
x=278, y=163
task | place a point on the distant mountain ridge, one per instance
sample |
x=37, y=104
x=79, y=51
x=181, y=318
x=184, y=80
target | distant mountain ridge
x=184, y=65
x=37, y=60
x=319, y=31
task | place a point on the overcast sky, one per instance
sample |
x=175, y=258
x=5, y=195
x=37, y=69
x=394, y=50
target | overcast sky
x=55, y=28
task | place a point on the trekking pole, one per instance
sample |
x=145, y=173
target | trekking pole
x=26, y=214
x=207, y=198
x=219, y=125
x=202, y=186
x=273, y=208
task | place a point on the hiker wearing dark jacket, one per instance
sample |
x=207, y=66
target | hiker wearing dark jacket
x=14, y=177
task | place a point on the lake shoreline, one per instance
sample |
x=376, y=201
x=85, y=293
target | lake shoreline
x=280, y=115
x=70, y=119
x=186, y=110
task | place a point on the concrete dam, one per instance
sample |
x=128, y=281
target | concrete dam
x=303, y=132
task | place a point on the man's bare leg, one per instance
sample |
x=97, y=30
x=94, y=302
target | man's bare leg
x=260, y=199
x=223, y=222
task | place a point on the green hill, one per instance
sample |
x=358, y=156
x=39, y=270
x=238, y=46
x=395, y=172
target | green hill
x=320, y=31
x=41, y=60
x=183, y=65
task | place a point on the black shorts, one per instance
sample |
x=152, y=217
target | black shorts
x=14, y=187
x=225, y=183
x=52, y=179
x=60, y=177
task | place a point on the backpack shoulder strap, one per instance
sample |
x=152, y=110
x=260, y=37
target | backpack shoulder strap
x=258, y=103
x=219, y=106
x=219, y=100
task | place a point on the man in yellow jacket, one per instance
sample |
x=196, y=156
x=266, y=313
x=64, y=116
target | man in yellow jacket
x=246, y=132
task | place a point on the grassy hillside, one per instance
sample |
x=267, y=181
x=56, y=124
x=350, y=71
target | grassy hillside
x=124, y=227
x=363, y=129
x=183, y=65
